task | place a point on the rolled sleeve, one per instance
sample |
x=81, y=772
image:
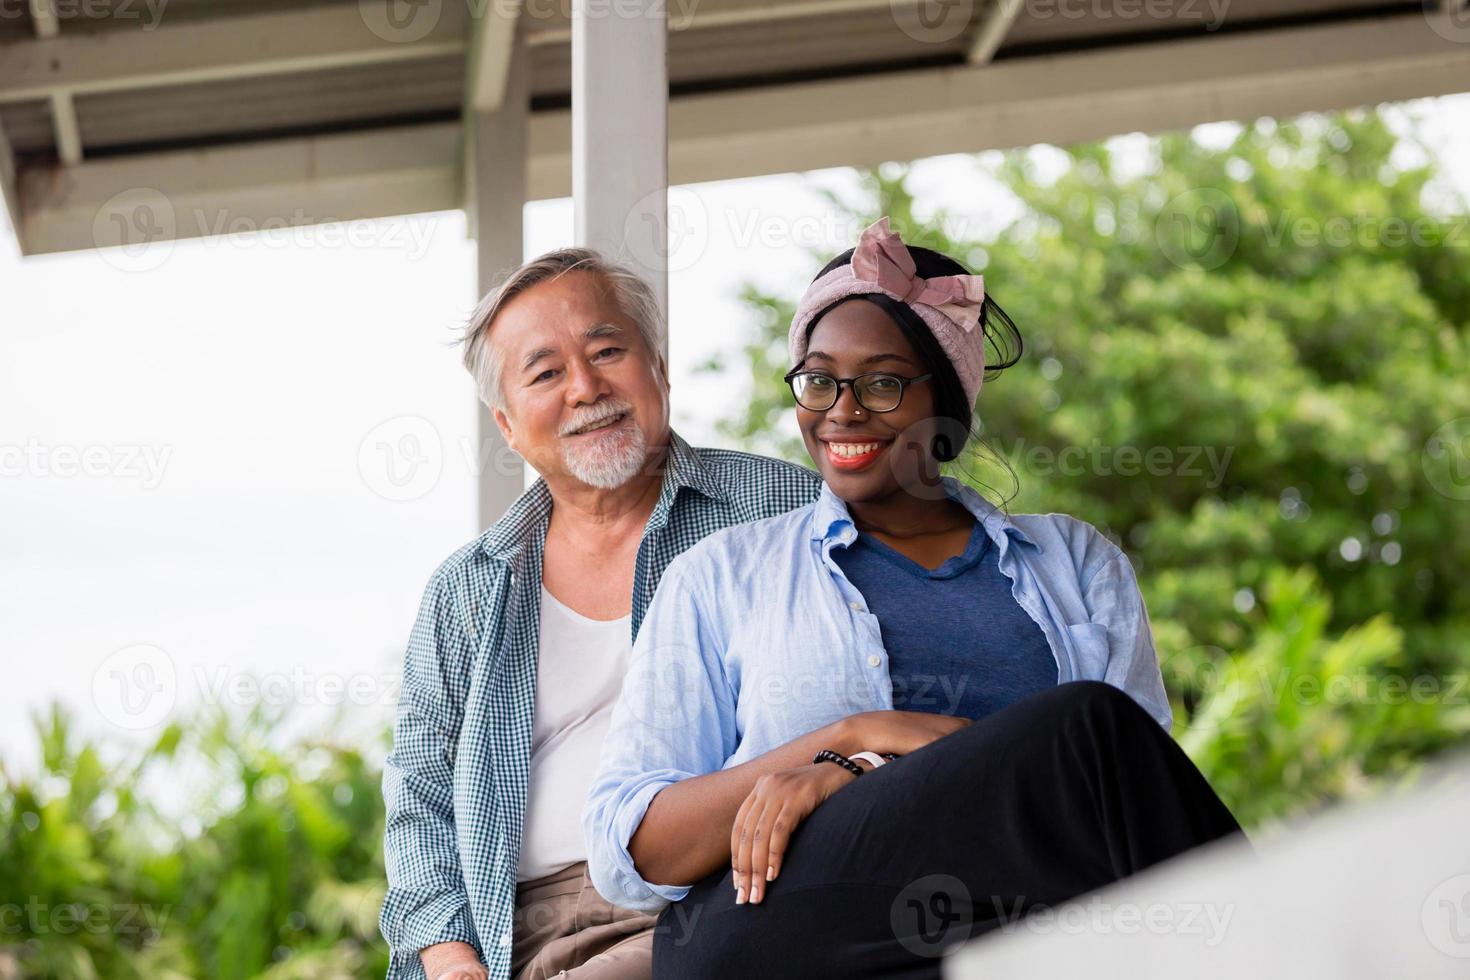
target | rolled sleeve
x=614, y=874
x=426, y=902
x=674, y=719
x=1114, y=600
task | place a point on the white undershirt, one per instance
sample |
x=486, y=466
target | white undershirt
x=579, y=674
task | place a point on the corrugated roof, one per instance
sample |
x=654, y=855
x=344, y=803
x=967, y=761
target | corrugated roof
x=1068, y=24
x=127, y=82
x=723, y=44
x=234, y=108
x=28, y=126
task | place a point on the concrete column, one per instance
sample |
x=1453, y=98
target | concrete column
x=495, y=177
x=620, y=135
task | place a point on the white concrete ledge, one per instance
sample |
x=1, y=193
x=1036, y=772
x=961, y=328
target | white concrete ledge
x=1363, y=894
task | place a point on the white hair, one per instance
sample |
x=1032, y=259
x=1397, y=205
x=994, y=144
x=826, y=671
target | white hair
x=633, y=295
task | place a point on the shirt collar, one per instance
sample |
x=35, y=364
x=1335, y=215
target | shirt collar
x=832, y=523
x=531, y=511
x=686, y=469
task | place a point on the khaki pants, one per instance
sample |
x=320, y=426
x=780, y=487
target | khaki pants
x=563, y=928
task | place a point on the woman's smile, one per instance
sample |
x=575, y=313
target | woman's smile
x=854, y=452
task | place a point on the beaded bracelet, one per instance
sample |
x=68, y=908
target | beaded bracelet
x=827, y=755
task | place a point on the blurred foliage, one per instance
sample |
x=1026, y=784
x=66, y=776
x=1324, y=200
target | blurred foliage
x=1237, y=360
x=1303, y=582
x=275, y=870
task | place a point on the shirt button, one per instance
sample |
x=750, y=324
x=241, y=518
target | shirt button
x=874, y=660
x=856, y=605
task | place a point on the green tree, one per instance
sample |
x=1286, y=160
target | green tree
x=1240, y=361
x=276, y=871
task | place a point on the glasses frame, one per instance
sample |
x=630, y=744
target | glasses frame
x=903, y=382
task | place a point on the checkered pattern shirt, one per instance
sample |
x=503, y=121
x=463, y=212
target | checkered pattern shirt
x=455, y=781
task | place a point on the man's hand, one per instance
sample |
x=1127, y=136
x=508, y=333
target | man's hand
x=776, y=806
x=453, y=961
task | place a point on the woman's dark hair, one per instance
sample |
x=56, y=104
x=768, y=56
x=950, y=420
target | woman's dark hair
x=1002, y=341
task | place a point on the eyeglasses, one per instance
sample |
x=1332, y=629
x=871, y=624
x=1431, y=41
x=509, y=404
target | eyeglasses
x=817, y=392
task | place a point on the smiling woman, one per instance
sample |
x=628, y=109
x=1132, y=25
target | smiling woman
x=781, y=661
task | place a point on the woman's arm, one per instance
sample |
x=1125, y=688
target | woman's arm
x=661, y=805
x=685, y=833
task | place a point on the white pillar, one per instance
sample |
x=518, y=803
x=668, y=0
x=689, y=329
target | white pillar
x=620, y=135
x=495, y=178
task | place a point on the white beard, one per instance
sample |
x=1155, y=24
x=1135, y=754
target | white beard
x=607, y=460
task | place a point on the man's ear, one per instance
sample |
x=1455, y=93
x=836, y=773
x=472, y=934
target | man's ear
x=502, y=422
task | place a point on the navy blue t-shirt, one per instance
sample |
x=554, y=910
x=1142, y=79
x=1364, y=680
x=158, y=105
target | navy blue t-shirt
x=958, y=642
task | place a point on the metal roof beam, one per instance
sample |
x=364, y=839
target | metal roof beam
x=991, y=32
x=685, y=15
x=8, y=194
x=68, y=132
x=488, y=60
x=63, y=111
x=263, y=44
x=264, y=186
x=317, y=38
x=44, y=19
x=1060, y=99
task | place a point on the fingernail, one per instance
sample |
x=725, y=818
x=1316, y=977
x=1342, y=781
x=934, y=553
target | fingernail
x=740, y=896
x=755, y=894
x=771, y=873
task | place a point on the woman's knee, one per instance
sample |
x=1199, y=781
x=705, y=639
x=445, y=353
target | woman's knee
x=1092, y=698
x=1097, y=713
x=1066, y=713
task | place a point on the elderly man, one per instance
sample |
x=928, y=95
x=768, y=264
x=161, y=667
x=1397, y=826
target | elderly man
x=524, y=635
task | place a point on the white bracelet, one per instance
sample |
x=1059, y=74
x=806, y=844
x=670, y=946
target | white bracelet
x=871, y=758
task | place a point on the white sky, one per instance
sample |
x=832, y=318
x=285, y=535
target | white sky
x=235, y=392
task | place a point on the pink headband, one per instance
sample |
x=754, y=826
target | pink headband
x=949, y=305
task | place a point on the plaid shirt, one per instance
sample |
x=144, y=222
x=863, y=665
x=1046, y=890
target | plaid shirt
x=455, y=781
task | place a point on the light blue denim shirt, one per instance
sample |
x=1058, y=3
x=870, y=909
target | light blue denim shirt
x=457, y=781
x=755, y=637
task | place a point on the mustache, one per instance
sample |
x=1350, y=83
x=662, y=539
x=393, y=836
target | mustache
x=596, y=413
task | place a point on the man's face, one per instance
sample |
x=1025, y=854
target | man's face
x=584, y=396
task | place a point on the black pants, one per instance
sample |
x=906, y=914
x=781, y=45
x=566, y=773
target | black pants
x=1038, y=803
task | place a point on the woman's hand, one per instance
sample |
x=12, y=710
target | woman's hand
x=776, y=806
x=901, y=732
x=781, y=800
